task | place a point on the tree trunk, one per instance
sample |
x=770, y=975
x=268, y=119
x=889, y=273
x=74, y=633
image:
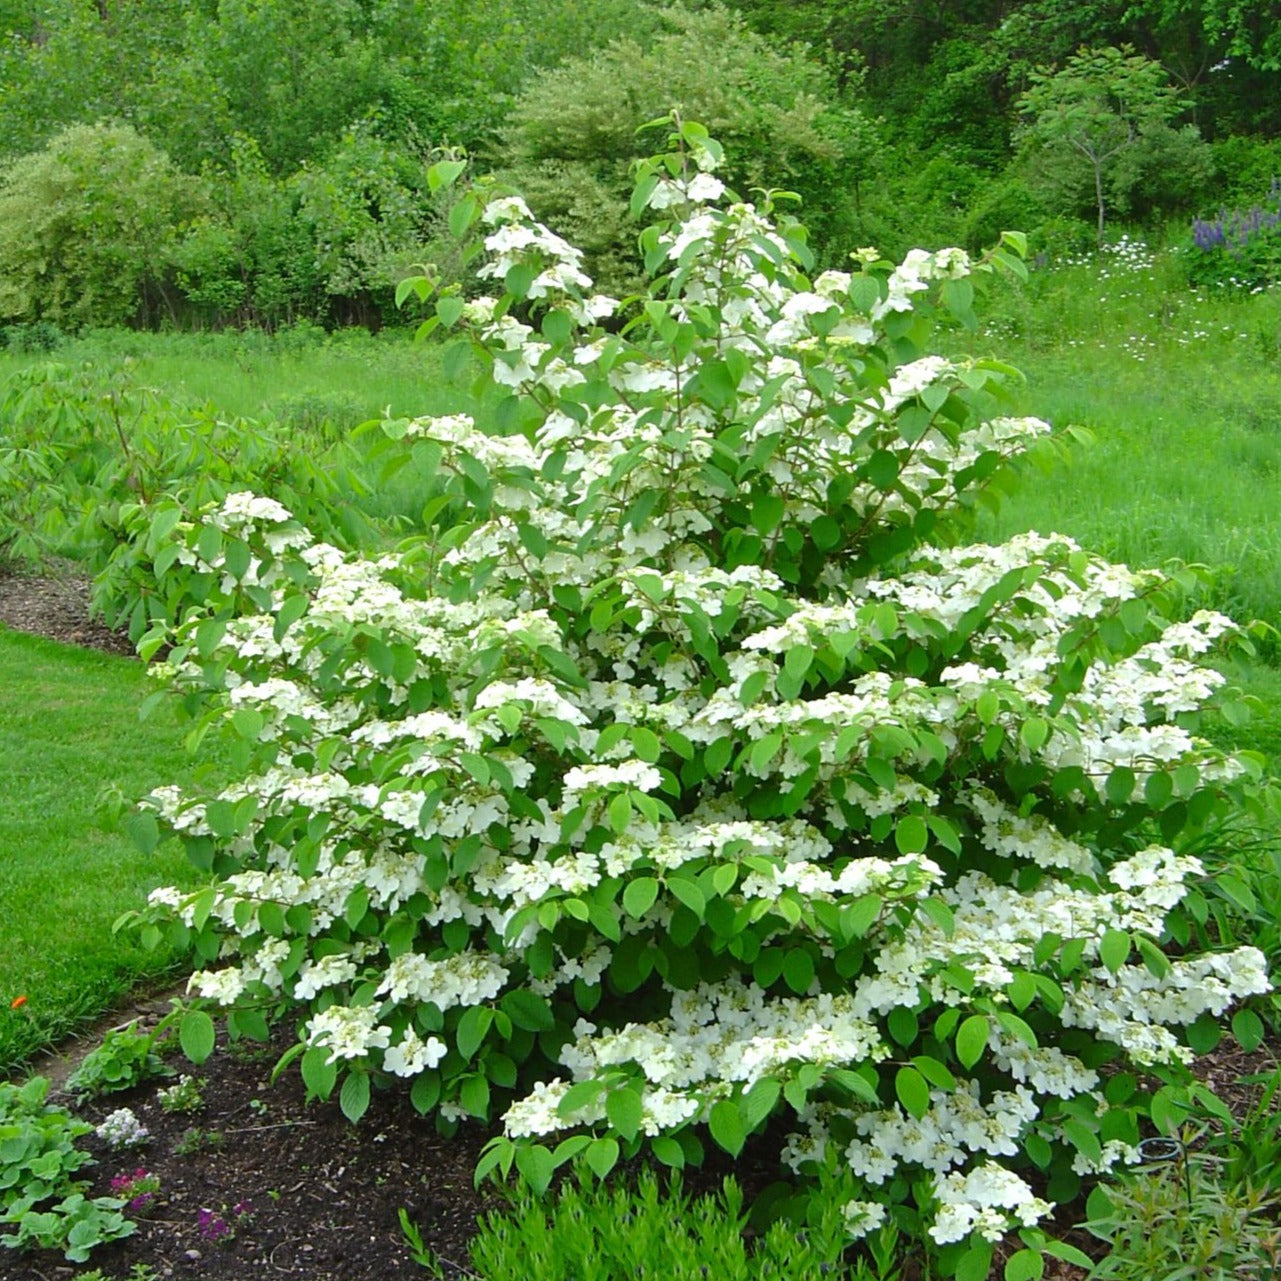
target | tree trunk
x=1098, y=195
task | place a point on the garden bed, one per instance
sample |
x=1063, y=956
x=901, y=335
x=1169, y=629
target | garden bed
x=56, y=606
x=256, y=1183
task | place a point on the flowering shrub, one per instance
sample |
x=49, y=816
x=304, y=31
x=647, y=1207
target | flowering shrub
x=1241, y=248
x=690, y=774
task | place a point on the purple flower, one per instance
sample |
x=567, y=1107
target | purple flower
x=213, y=1227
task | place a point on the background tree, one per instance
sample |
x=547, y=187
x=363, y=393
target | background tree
x=86, y=225
x=1102, y=103
x=777, y=110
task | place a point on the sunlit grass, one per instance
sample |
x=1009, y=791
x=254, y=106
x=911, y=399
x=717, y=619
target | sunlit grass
x=263, y=376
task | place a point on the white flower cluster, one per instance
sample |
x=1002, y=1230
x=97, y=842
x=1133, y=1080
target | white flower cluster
x=122, y=1129
x=989, y=1200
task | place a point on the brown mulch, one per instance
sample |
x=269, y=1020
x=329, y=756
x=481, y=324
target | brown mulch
x=56, y=607
x=302, y=1192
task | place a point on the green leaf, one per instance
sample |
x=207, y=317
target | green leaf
x=1248, y=1029
x=602, y=1156
x=668, y=1151
x=474, y=1096
x=826, y=533
x=1120, y=785
x=196, y=1035
x=1034, y=733
x=1025, y=1265
x=426, y=1092
x=1068, y=1253
x=1204, y=1034
x=913, y=1091
x=1158, y=790
x=639, y=896
x=472, y=1028
x=976, y=1263
x=764, y=750
x=318, y=1074
x=798, y=660
x=354, y=1096
x=759, y=1101
x=798, y=970
x=620, y=813
x=144, y=831
x=623, y=1110
x=767, y=513
x=248, y=723
x=528, y=1010
x=911, y=834
x=1114, y=949
x=727, y=1126
x=449, y=308
x=971, y=1040
x=688, y=893
x=536, y=1165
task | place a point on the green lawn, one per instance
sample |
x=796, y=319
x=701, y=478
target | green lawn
x=69, y=729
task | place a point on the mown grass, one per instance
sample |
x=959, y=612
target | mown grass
x=69, y=729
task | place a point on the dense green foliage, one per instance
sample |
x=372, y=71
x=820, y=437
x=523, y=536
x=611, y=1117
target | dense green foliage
x=38, y=1195
x=303, y=132
x=574, y=137
x=87, y=224
x=599, y=1231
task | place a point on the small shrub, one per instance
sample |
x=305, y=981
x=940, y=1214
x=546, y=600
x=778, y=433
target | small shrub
x=590, y=1229
x=316, y=417
x=127, y=1057
x=1242, y=1147
x=186, y=1095
x=121, y=1130
x=86, y=225
x=38, y=335
x=573, y=132
x=1010, y=204
x=1178, y=1220
x=92, y=465
x=39, y=1196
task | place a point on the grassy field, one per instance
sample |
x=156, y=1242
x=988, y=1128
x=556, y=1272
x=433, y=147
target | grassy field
x=287, y=375
x=69, y=729
x=1182, y=391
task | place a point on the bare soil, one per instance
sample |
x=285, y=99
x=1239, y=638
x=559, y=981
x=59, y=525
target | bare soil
x=287, y=1189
